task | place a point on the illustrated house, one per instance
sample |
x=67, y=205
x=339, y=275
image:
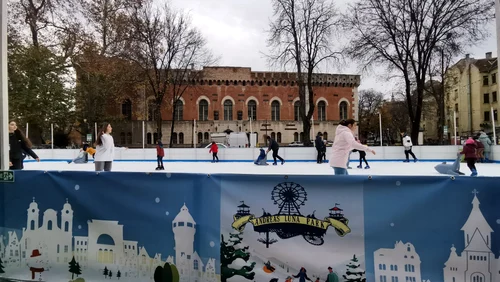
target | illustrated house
x=476, y=263
x=400, y=264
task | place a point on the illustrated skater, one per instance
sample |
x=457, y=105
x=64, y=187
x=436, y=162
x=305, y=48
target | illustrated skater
x=105, y=149
x=19, y=147
x=274, y=146
x=214, y=149
x=262, y=159
x=319, y=144
x=485, y=139
x=469, y=150
x=302, y=275
x=343, y=144
x=160, y=153
x=332, y=276
x=83, y=157
x=362, y=157
x=407, y=144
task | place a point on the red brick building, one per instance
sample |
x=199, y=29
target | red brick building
x=228, y=97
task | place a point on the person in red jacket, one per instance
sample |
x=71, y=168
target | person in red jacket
x=214, y=149
x=470, y=153
x=160, y=153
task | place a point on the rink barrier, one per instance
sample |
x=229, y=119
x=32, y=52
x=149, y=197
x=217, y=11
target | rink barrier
x=146, y=218
x=290, y=154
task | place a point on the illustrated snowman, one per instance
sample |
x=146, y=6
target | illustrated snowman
x=36, y=264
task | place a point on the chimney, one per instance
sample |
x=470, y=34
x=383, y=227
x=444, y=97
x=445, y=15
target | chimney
x=488, y=55
x=467, y=56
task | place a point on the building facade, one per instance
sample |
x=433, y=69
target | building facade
x=241, y=100
x=471, y=92
x=400, y=264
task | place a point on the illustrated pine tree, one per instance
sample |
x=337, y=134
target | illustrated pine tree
x=118, y=274
x=74, y=268
x=79, y=269
x=110, y=274
x=354, y=272
x=229, y=252
x=105, y=272
x=1, y=267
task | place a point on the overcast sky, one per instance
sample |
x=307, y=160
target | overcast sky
x=236, y=31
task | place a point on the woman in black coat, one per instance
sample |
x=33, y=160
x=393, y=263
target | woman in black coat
x=19, y=146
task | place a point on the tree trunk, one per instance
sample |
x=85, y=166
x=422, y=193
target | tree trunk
x=172, y=126
x=306, y=127
x=158, y=121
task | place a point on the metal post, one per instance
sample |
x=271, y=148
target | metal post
x=251, y=130
x=455, y=127
x=312, y=127
x=52, y=135
x=95, y=125
x=493, y=123
x=4, y=101
x=27, y=130
x=194, y=134
x=380, y=124
x=143, y=133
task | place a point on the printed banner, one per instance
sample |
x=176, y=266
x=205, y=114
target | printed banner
x=161, y=227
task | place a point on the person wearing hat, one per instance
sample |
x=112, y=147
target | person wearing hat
x=332, y=276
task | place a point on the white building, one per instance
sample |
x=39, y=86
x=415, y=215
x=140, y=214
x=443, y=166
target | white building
x=400, y=264
x=476, y=263
x=103, y=247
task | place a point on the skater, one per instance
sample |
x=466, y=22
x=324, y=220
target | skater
x=324, y=150
x=262, y=159
x=214, y=149
x=485, y=139
x=319, y=147
x=83, y=157
x=274, y=146
x=160, y=153
x=342, y=146
x=407, y=144
x=302, y=275
x=105, y=149
x=332, y=276
x=469, y=151
x=19, y=147
x=362, y=157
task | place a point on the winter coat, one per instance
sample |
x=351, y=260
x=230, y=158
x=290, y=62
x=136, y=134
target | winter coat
x=319, y=143
x=214, y=148
x=106, y=151
x=262, y=154
x=479, y=144
x=485, y=139
x=302, y=277
x=18, y=147
x=273, y=145
x=89, y=150
x=159, y=150
x=469, y=151
x=407, y=142
x=332, y=277
x=343, y=144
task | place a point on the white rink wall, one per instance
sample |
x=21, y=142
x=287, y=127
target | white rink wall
x=391, y=153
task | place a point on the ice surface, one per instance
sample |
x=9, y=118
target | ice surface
x=303, y=168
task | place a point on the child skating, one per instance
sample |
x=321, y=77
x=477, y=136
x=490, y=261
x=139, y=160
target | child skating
x=160, y=153
x=214, y=149
x=362, y=157
x=469, y=150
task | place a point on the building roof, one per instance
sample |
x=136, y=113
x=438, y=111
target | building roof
x=486, y=65
x=184, y=215
x=476, y=219
x=477, y=243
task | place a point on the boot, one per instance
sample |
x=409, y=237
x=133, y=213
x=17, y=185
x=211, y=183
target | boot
x=406, y=161
x=415, y=160
x=162, y=168
x=157, y=168
x=367, y=167
x=474, y=173
x=282, y=162
x=359, y=166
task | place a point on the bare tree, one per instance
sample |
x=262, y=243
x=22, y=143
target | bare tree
x=165, y=45
x=370, y=102
x=405, y=34
x=301, y=38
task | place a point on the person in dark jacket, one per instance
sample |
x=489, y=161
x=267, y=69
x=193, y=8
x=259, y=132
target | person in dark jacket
x=160, y=153
x=319, y=144
x=274, y=146
x=19, y=146
x=302, y=275
x=470, y=153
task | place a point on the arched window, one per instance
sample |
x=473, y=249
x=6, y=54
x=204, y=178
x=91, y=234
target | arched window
x=296, y=137
x=252, y=110
x=203, y=110
x=122, y=138
x=321, y=111
x=129, y=138
x=32, y=225
x=275, y=111
x=149, y=138
x=151, y=110
x=301, y=137
x=195, y=264
x=155, y=137
x=228, y=110
x=127, y=109
x=278, y=137
x=343, y=110
x=296, y=111
x=325, y=135
x=181, y=138
x=179, y=110
x=206, y=136
x=273, y=135
x=174, y=138
x=49, y=225
x=66, y=226
x=200, y=137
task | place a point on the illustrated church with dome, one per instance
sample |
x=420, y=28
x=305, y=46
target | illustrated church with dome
x=103, y=247
x=476, y=263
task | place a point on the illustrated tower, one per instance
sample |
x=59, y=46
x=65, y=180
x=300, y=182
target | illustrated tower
x=67, y=218
x=184, y=228
x=33, y=216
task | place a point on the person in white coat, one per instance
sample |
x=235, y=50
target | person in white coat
x=105, y=149
x=407, y=144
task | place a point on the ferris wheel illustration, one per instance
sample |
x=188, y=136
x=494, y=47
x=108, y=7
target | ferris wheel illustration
x=289, y=197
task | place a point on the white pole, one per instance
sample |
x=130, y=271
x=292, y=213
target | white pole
x=52, y=135
x=27, y=130
x=313, y=135
x=95, y=125
x=493, y=123
x=380, y=124
x=194, y=134
x=4, y=101
x=251, y=130
x=144, y=132
x=455, y=127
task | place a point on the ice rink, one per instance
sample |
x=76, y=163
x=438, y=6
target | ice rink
x=303, y=168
